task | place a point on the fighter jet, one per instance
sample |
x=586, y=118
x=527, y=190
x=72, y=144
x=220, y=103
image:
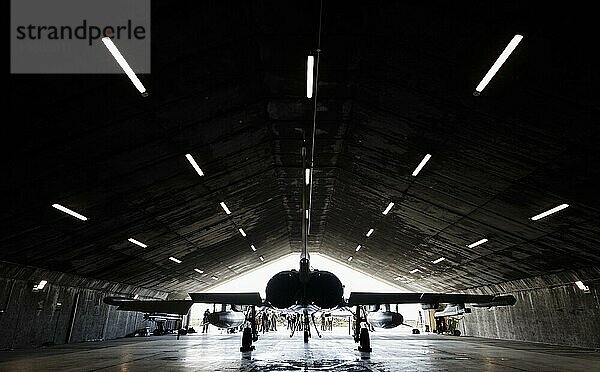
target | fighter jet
x=306, y=291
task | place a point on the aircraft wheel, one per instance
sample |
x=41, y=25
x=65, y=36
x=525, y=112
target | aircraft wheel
x=416, y=331
x=365, y=341
x=247, y=340
x=305, y=337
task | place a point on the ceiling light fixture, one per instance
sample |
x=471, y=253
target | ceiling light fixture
x=473, y=245
x=174, y=260
x=421, y=165
x=582, y=286
x=370, y=232
x=414, y=271
x=307, y=214
x=358, y=248
x=496, y=66
x=549, y=212
x=225, y=208
x=438, y=260
x=137, y=242
x=310, y=64
x=388, y=208
x=41, y=284
x=307, y=176
x=112, y=48
x=350, y=258
x=214, y=278
x=253, y=247
x=242, y=231
x=199, y=271
x=261, y=258
x=190, y=158
x=68, y=211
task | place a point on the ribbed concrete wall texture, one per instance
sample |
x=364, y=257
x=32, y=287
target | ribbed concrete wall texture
x=550, y=309
x=68, y=309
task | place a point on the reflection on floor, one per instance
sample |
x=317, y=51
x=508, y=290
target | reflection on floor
x=275, y=351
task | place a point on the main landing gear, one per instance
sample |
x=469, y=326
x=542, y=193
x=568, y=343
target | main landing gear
x=250, y=334
x=361, y=334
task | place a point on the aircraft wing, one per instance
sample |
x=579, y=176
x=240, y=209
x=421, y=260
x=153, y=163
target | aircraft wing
x=243, y=298
x=374, y=298
x=180, y=307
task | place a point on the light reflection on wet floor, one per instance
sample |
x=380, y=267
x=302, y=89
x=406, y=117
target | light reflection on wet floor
x=277, y=352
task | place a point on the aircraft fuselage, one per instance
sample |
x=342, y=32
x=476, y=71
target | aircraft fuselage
x=319, y=288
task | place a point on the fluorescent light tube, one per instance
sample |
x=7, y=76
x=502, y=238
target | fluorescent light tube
x=174, y=260
x=124, y=65
x=136, y=242
x=388, y=208
x=253, y=247
x=199, y=271
x=214, y=277
x=472, y=245
x=549, y=212
x=68, y=211
x=421, y=165
x=438, y=260
x=261, y=258
x=42, y=284
x=190, y=158
x=414, y=271
x=310, y=64
x=307, y=214
x=242, y=231
x=496, y=66
x=225, y=208
x=370, y=232
x=358, y=248
x=579, y=284
x=307, y=176
x=350, y=258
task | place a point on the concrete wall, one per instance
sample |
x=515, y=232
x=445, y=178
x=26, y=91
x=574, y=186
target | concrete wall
x=30, y=319
x=550, y=309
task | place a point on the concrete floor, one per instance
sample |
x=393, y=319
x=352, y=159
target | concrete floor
x=392, y=351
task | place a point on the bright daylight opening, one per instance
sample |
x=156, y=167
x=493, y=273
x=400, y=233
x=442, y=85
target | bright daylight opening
x=353, y=281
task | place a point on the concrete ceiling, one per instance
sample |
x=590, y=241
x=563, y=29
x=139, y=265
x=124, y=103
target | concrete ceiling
x=396, y=83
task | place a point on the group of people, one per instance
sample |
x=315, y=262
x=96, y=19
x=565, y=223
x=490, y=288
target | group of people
x=296, y=322
x=266, y=321
x=326, y=323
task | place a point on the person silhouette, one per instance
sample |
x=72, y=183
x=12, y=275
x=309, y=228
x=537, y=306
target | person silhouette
x=205, y=321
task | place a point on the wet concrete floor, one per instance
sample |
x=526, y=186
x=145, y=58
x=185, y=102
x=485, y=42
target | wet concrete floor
x=275, y=351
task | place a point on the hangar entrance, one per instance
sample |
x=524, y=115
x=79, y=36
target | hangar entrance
x=336, y=321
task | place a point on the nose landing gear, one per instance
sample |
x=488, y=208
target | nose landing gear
x=306, y=323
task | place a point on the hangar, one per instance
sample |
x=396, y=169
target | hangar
x=363, y=132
